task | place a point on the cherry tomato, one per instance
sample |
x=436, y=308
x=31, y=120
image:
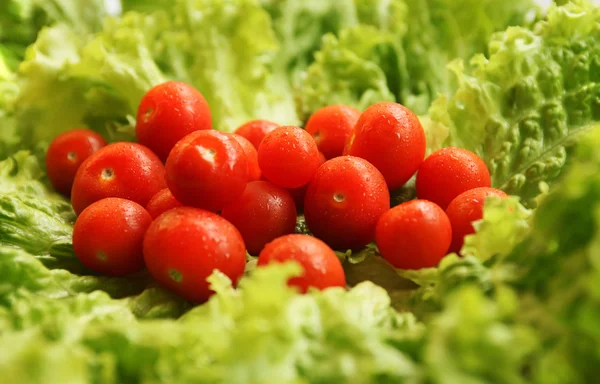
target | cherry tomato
x=331, y=126
x=207, y=169
x=465, y=209
x=414, y=235
x=167, y=113
x=262, y=213
x=391, y=138
x=449, y=172
x=109, y=234
x=254, y=172
x=344, y=201
x=66, y=153
x=126, y=170
x=256, y=130
x=161, y=203
x=298, y=194
x=288, y=157
x=322, y=268
x=185, y=245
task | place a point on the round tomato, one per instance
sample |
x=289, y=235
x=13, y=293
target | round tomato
x=449, y=172
x=109, y=234
x=331, y=126
x=256, y=130
x=161, y=203
x=254, y=172
x=262, y=213
x=185, y=245
x=465, y=209
x=414, y=235
x=126, y=170
x=288, y=157
x=322, y=268
x=344, y=201
x=66, y=153
x=207, y=169
x=167, y=113
x=391, y=138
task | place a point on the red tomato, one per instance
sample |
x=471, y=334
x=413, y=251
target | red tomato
x=161, y=203
x=298, y=194
x=66, y=153
x=126, y=170
x=465, y=209
x=256, y=130
x=207, y=169
x=414, y=235
x=288, y=157
x=185, y=245
x=167, y=113
x=254, y=172
x=331, y=126
x=391, y=138
x=449, y=172
x=322, y=268
x=262, y=213
x=344, y=201
x=108, y=236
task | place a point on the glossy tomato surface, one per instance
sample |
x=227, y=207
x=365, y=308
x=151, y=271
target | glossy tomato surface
x=185, y=245
x=65, y=155
x=331, y=126
x=390, y=137
x=288, y=157
x=262, y=213
x=298, y=194
x=207, y=169
x=254, y=172
x=344, y=201
x=449, y=172
x=109, y=234
x=322, y=268
x=126, y=170
x=167, y=113
x=161, y=203
x=465, y=209
x=414, y=235
x=256, y=130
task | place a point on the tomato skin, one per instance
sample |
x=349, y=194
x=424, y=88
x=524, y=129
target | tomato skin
x=390, y=137
x=262, y=213
x=161, y=202
x=298, y=194
x=65, y=155
x=207, y=169
x=108, y=236
x=465, y=209
x=126, y=170
x=322, y=268
x=448, y=172
x=331, y=126
x=344, y=201
x=167, y=113
x=254, y=172
x=185, y=245
x=414, y=235
x=288, y=157
x=256, y=130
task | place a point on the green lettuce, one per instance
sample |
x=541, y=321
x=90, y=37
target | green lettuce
x=403, y=56
x=522, y=106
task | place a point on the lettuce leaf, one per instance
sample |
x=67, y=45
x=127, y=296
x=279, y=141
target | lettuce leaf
x=523, y=105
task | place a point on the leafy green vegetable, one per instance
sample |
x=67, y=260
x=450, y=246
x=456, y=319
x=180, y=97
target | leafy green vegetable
x=520, y=107
x=403, y=57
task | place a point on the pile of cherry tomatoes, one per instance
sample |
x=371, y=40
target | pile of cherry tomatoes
x=186, y=200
